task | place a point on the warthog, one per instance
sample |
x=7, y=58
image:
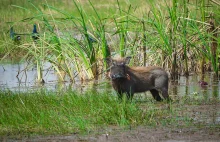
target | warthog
x=132, y=80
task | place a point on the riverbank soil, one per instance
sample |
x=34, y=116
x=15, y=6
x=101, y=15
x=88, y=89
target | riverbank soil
x=139, y=134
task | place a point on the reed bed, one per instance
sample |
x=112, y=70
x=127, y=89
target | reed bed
x=77, y=36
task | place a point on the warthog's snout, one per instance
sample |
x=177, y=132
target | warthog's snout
x=117, y=76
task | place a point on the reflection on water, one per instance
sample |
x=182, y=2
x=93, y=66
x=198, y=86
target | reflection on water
x=26, y=80
x=190, y=85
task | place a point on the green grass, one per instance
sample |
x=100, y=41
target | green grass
x=44, y=113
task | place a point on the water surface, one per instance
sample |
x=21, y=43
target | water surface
x=26, y=80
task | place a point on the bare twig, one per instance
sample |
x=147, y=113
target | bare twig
x=215, y=2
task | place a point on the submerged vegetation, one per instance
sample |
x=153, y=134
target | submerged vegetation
x=76, y=36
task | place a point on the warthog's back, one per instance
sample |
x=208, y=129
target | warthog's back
x=148, y=71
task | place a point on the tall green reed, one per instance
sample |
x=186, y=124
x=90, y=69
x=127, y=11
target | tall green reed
x=202, y=10
x=173, y=32
x=185, y=16
x=90, y=49
x=183, y=42
x=100, y=31
x=158, y=23
x=122, y=24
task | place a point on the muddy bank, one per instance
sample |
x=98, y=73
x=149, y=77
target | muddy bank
x=140, y=134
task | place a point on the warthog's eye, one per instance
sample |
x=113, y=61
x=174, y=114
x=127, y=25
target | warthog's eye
x=121, y=64
x=114, y=63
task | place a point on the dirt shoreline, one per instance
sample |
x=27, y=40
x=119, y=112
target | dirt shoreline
x=140, y=134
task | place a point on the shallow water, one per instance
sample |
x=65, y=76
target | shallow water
x=26, y=80
x=191, y=86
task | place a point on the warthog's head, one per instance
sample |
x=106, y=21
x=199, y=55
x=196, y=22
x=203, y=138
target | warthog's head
x=118, y=68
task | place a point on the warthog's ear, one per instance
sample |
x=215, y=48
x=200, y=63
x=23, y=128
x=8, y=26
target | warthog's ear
x=108, y=60
x=127, y=60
